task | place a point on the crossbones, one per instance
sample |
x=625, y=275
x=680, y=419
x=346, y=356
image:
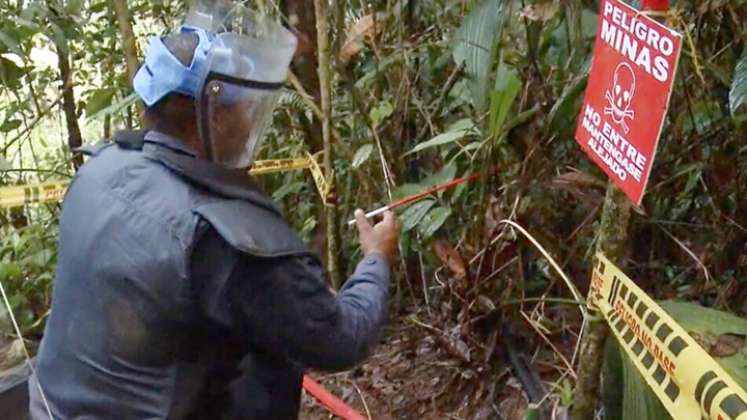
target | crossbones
x=620, y=96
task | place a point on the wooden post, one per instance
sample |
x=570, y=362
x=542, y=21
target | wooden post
x=612, y=240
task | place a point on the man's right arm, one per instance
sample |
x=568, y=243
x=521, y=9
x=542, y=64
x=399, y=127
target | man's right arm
x=285, y=305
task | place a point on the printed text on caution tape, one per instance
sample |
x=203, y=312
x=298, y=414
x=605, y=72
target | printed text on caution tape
x=689, y=383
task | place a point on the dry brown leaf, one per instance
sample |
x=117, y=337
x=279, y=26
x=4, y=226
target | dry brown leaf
x=363, y=28
x=585, y=188
x=456, y=347
x=724, y=345
x=449, y=257
x=727, y=345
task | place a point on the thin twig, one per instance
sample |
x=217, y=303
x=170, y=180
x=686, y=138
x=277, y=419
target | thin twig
x=547, y=340
x=691, y=254
x=363, y=400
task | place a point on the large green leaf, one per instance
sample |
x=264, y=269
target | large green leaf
x=9, y=125
x=99, y=99
x=738, y=94
x=10, y=73
x=457, y=131
x=475, y=45
x=362, y=155
x=406, y=190
x=433, y=221
x=10, y=44
x=288, y=189
x=9, y=270
x=415, y=213
x=446, y=174
x=507, y=86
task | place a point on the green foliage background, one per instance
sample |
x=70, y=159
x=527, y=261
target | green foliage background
x=438, y=90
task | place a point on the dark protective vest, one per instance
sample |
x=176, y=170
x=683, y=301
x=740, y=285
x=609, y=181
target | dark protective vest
x=129, y=221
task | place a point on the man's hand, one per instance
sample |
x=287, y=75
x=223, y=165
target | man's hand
x=382, y=238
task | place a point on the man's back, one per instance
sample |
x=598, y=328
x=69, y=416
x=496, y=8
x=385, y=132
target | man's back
x=121, y=296
x=180, y=291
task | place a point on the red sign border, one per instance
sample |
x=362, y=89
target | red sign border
x=637, y=13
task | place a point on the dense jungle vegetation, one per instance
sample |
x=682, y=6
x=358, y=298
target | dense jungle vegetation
x=422, y=92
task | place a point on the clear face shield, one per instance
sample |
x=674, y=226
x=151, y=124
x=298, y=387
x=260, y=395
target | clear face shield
x=247, y=65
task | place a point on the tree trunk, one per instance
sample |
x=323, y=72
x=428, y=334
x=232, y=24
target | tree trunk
x=129, y=45
x=74, y=138
x=612, y=241
x=305, y=65
x=325, y=83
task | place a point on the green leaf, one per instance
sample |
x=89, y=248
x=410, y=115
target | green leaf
x=287, y=189
x=10, y=73
x=446, y=174
x=406, y=190
x=433, y=221
x=738, y=93
x=9, y=270
x=9, y=125
x=705, y=114
x=11, y=44
x=99, y=99
x=415, y=213
x=457, y=131
x=380, y=113
x=475, y=46
x=507, y=87
x=362, y=155
x=116, y=106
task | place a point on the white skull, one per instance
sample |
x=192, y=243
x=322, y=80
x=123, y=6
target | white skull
x=623, y=89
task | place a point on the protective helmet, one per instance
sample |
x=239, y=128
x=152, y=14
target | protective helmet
x=239, y=65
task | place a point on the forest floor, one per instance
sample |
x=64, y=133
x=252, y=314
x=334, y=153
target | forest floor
x=412, y=375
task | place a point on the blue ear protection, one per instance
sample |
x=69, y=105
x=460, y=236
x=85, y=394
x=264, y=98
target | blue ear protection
x=162, y=73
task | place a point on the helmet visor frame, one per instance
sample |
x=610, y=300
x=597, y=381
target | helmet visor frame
x=234, y=115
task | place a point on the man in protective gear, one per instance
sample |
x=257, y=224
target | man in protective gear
x=180, y=291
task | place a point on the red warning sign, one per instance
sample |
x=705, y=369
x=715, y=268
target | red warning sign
x=632, y=72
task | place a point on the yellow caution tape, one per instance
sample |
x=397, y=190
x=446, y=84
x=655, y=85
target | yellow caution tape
x=26, y=194
x=264, y=167
x=689, y=383
x=322, y=184
x=20, y=195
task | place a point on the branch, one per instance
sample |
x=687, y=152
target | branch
x=323, y=51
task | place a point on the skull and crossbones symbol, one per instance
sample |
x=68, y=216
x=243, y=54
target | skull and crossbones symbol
x=621, y=96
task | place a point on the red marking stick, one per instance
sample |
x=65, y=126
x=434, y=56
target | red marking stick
x=333, y=404
x=419, y=196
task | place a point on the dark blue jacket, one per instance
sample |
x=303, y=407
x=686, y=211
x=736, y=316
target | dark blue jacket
x=182, y=293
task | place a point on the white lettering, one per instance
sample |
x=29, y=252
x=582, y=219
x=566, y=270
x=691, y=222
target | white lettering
x=637, y=41
x=661, y=69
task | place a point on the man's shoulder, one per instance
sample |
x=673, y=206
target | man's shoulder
x=136, y=185
x=252, y=229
